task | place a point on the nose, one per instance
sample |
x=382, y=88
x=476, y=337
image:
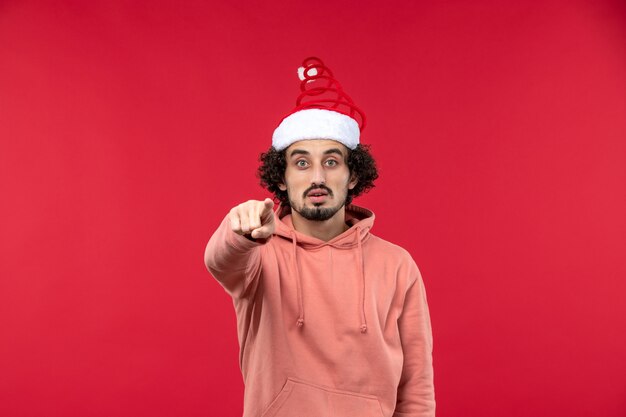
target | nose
x=319, y=175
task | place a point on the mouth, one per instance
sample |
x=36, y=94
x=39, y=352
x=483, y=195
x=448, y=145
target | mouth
x=317, y=192
x=317, y=196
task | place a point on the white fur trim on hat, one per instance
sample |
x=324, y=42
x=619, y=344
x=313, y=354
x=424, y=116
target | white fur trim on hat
x=316, y=124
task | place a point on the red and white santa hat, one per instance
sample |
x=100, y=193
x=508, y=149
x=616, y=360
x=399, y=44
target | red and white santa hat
x=323, y=110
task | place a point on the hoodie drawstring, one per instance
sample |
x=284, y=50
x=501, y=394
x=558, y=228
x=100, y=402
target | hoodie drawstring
x=299, y=286
x=361, y=270
x=298, y=280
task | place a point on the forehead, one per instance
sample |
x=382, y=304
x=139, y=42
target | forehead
x=316, y=146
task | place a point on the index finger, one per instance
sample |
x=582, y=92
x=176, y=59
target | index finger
x=268, y=206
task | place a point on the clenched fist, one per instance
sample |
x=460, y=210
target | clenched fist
x=254, y=218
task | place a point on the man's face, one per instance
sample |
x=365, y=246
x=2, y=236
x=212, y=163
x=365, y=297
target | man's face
x=317, y=178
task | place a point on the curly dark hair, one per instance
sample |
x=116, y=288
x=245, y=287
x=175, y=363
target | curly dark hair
x=360, y=162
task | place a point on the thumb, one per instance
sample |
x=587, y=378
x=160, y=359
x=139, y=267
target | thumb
x=262, y=232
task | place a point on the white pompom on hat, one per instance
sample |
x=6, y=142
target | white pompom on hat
x=323, y=110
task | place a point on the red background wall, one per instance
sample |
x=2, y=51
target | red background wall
x=129, y=129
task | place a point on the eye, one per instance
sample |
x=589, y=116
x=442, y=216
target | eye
x=301, y=163
x=332, y=162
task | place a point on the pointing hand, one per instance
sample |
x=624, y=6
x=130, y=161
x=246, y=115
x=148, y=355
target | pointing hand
x=254, y=218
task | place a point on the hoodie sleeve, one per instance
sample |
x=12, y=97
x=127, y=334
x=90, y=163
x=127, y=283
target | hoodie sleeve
x=234, y=260
x=416, y=391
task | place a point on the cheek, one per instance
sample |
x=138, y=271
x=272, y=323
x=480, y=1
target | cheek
x=293, y=180
x=343, y=179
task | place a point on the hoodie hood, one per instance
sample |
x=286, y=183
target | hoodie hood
x=360, y=220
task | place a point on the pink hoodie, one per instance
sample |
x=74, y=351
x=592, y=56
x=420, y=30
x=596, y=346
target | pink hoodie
x=327, y=329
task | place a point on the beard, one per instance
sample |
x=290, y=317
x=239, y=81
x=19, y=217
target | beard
x=318, y=213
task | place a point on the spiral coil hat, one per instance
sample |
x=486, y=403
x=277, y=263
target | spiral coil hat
x=323, y=110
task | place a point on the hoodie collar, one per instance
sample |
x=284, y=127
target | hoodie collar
x=360, y=220
x=354, y=216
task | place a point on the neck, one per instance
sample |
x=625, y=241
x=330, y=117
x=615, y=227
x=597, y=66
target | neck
x=323, y=230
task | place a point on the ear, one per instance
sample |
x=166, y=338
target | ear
x=282, y=186
x=353, y=181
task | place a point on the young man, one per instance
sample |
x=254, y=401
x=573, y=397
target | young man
x=333, y=321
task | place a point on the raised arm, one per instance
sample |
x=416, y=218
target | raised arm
x=232, y=254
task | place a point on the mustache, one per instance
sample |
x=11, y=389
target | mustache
x=318, y=187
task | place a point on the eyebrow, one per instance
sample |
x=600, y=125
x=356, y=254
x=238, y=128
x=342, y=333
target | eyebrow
x=326, y=152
